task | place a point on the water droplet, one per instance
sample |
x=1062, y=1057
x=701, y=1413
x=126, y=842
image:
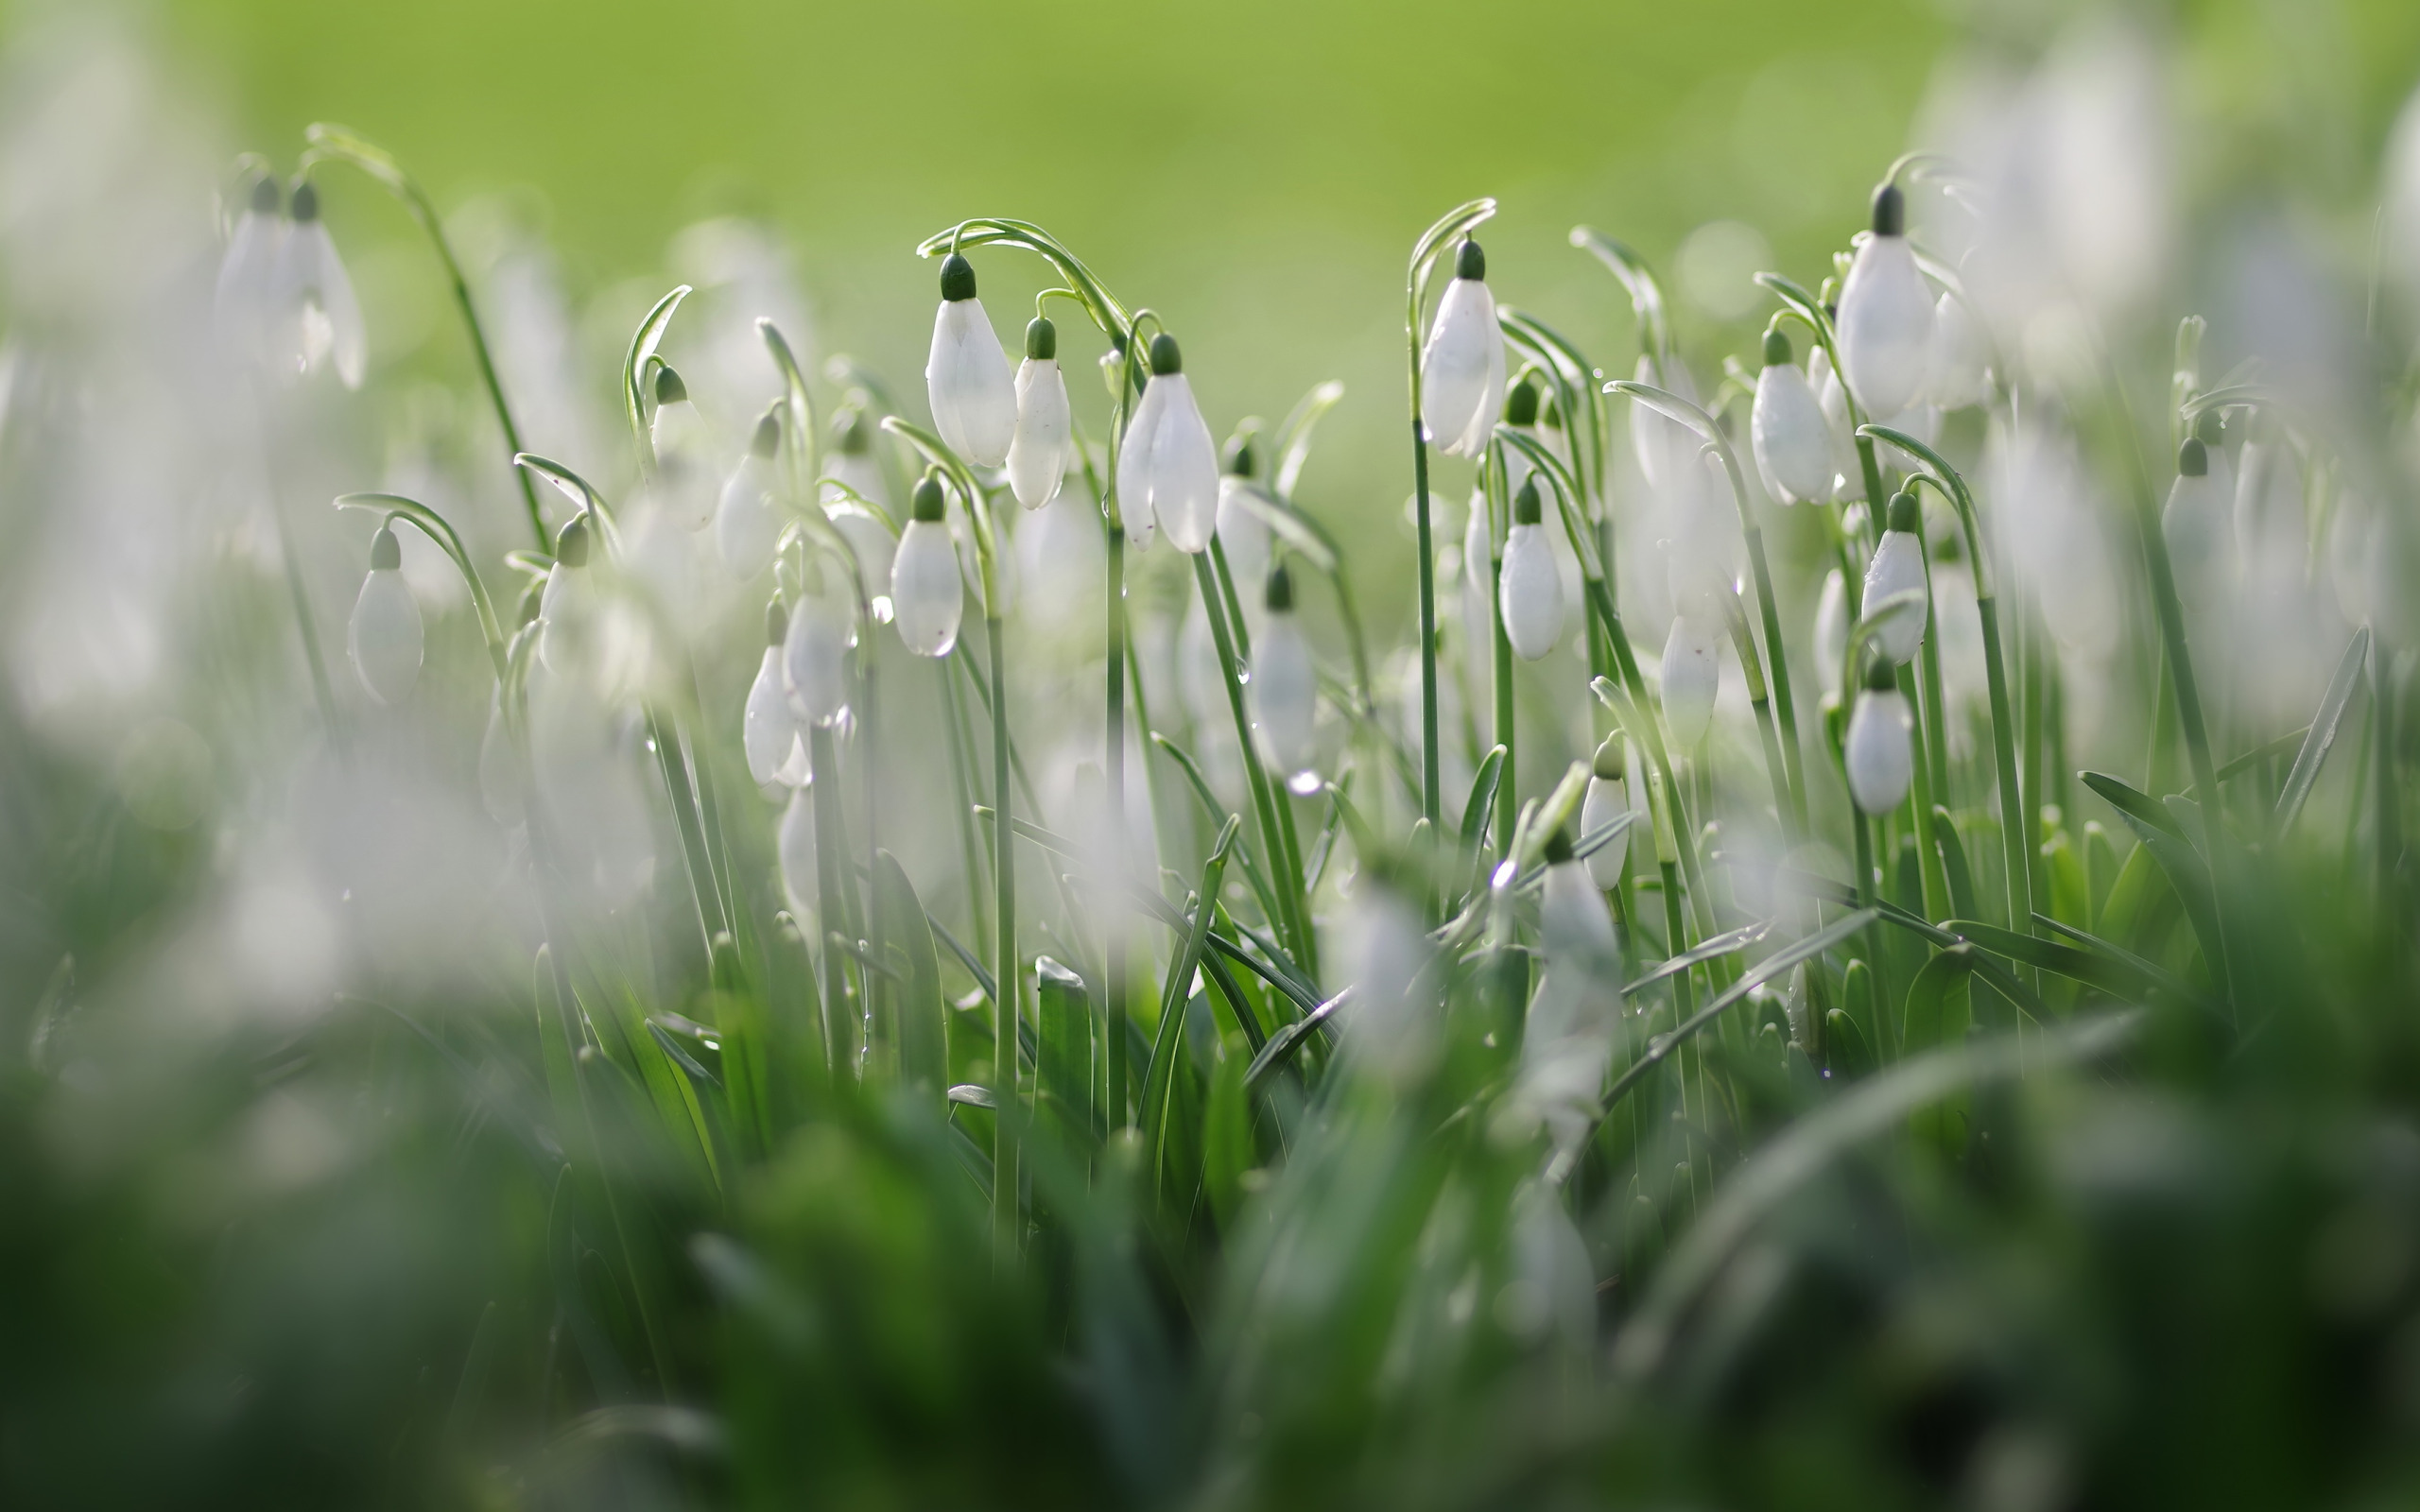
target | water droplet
x=1306, y=782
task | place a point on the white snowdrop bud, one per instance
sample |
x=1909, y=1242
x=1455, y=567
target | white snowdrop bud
x=1692, y=671
x=1607, y=800
x=1462, y=368
x=1168, y=469
x=683, y=486
x=241, y=310
x=385, y=636
x=1880, y=759
x=567, y=612
x=1038, y=453
x=769, y=732
x=1832, y=630
x=795, y=844
x=1573, y=923
x=1530, y=589
x=1886, y=315
x=317, y=321
x=2196, y=522
x=927, y=595
x=1285, y=685
x=2209, y=428
x=1961, y=355
x=966, y=377
x=1243, y=534
x=1792, y=441
x=748, y=523
x=815, y=649
x=1391, y=1023
x=1898, y=565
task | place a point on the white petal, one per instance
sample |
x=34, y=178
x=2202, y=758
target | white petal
x=967, y=382
x=246, y=275
x=746, y=523
x=1662, y=445
x=1530, y=593
x=871, y=539
x=1961, y=374
x=567, y=622
x=1462, y=368
x=1832, y=629
x=1572, y=921
x=1898, y=565
x=796, y=844
x=683, y=486
x=2197, y=524
x=1834, y=399
x=1133, y=467
x=1691, y=674
x=1886, y=326
x=927, y=593
x=1038, y=455
x=1243, y=535
x=385, y=636
x=1877, y=752
x=1181, y=470
x=768, y=726
x=813, y=658
x=1792, y=441
x=1284, y=693
x=1606, y=801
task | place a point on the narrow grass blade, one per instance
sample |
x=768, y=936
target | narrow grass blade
x=2304, y=772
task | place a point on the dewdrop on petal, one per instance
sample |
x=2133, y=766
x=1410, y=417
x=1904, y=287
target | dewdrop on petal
x=966, y=377
x=384, y=635
x=747, y=523
x=1284, y=688
x=1898, y=565
x=927, y=596
x=567, y=612
x=1886, y=315
x=1243, y=535
x=1462, y=368
x=1168, y=469
x=1880, y=759
x=1692, y=673
x=1792, y=441
x=684, y=484
x=1530, y=588
x=1607, y=800
x=769, y=732
x=317, y=321
x=240, y=311
x=1039, y=451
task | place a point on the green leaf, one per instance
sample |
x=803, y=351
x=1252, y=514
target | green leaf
x=643, y=344
x=2324, y=724
x=1227, y=1149
x=2108, y=972
x=2174, y=852
x=1936, y=1012
x=1953, y=862
x=923, y=1018
x=2133, y=803
x=1645, y=293
x=1064, y=1064
x=1293, y=443
x=1739, y=940
x=1168, y=1046
x=1482, y=802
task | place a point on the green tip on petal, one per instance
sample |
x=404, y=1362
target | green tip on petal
x=1243, y=459
x=1881, y=676
x=1166, y=359
x=1527, y=510
x=1042, y=339
x=571, y=542
x=1904, y=514
x=957, y=278
x=1609, y=763
x=777, y=621
x=1777, y=352
x=385, y=552
x=2193, y=458
x=2210, y=428
x=1521, y=404
x=306, y=204
x=1890, y=212
x=1470, y=262
x=1558, y=845
x=1279, y=596
x=929, y=499
x=264, y=195
x=669, y=389
x=767, y=439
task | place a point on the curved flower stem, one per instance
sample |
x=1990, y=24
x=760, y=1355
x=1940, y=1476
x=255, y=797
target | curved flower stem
x=435, y=527
x=328, y=143
x=634, y=373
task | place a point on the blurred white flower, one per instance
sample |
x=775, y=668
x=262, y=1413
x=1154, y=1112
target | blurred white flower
x=1960, y=367
x=248, y=273
x=794, y=844
x=384, y=636
x=815, y=649
x=1667, y=450
x=317, y=321
x=1899, y=567
x=1886, y=315
x=850, y=462
x=1063, y=563
x=568, y=632
x=748, y=522
x=1283, y=689
x=1168, y=469
x=2198, y=528
x=1461, y=368
x=684, y=485
x=1832, y=629
x=1384, y=952
x=1691, y=674
x=1607, y=800
x=1243, y=534
x=872, y=544
x=1039, y=452
x=966, y=377
x=927, y=595
x=1530, y=589
x=770, y=735
x=1877, y=753
x=1786, y=425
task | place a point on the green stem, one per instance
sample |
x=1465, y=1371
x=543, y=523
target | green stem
x=1291, y=926
x=1005, y=1001
x=1933, y=876
x=1113, y=984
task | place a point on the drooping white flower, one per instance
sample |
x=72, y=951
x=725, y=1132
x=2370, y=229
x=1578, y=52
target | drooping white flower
x=1573, y=924
x=248, y=273
x=1461, y=368
x=1391, y=1024
x=1834, y=400
x=1607, y=800
x=815, y=649
x=1667, y=450
x=1960, y=374
x=871, y=539
x=317, y=321
x=1886, y=315
x=2197, y=522
x=849, y=465
x=684, y=487
x=1060, y=557
x=927, y=595
x=1898, y=565
x=568, y=632
x=1285, y=687
x=1568, y=1037
x=1530, y=588
x=748, y=523
x=1880, y=759
x=795, y=843
x=1243, y=533
x=966, y=377
x=1167, y=468
x=1692, y=672
x=2269, y=527
x=1832, y=630
x=2209, y=428
x=1792, y=441
x=384, y=635
x=770, y=730
x=1039, y=452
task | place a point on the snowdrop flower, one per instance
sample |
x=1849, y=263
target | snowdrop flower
x=241, y=310
x=1283, y=686
x=1898, y=565
x=815, y=647
x=1462, y=368
x=1960, y=367
x=795, y=842
x=1038, y=451
x=769, y=732
x=1243, y=534
x=1886, y=315
x=1878, y=754
x=1391, y=1024
x=1692, y=672
x=1568, y=1037
x=567, y=612
x=747, y=522
x=1834, y=399
x=1792, y=441
x=927, y=596
x=319, y=319
x=966, y=378
x=1530, y=589
x=2209, y=428
x=849, y=465
x=1608, y=800
x=1573, y=924
x=683, y=486
x=384, y=637
x=1168, y=469
x=2197, y=521
x=1832, y=630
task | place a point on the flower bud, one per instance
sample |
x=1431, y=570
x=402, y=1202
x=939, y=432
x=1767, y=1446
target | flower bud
x=746, y=522
x=1530, y=587
x=1692, y=673
x=1284, y=690
x=1461, y=368
x=927, y=595
x=385, y=636
x=1786, y=428
x=1898, y=566
x=1607, y=800
x=1886, y=315
x=1877, y=753
x=966, y=375
x=1042, y=446
x=1167, y=468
